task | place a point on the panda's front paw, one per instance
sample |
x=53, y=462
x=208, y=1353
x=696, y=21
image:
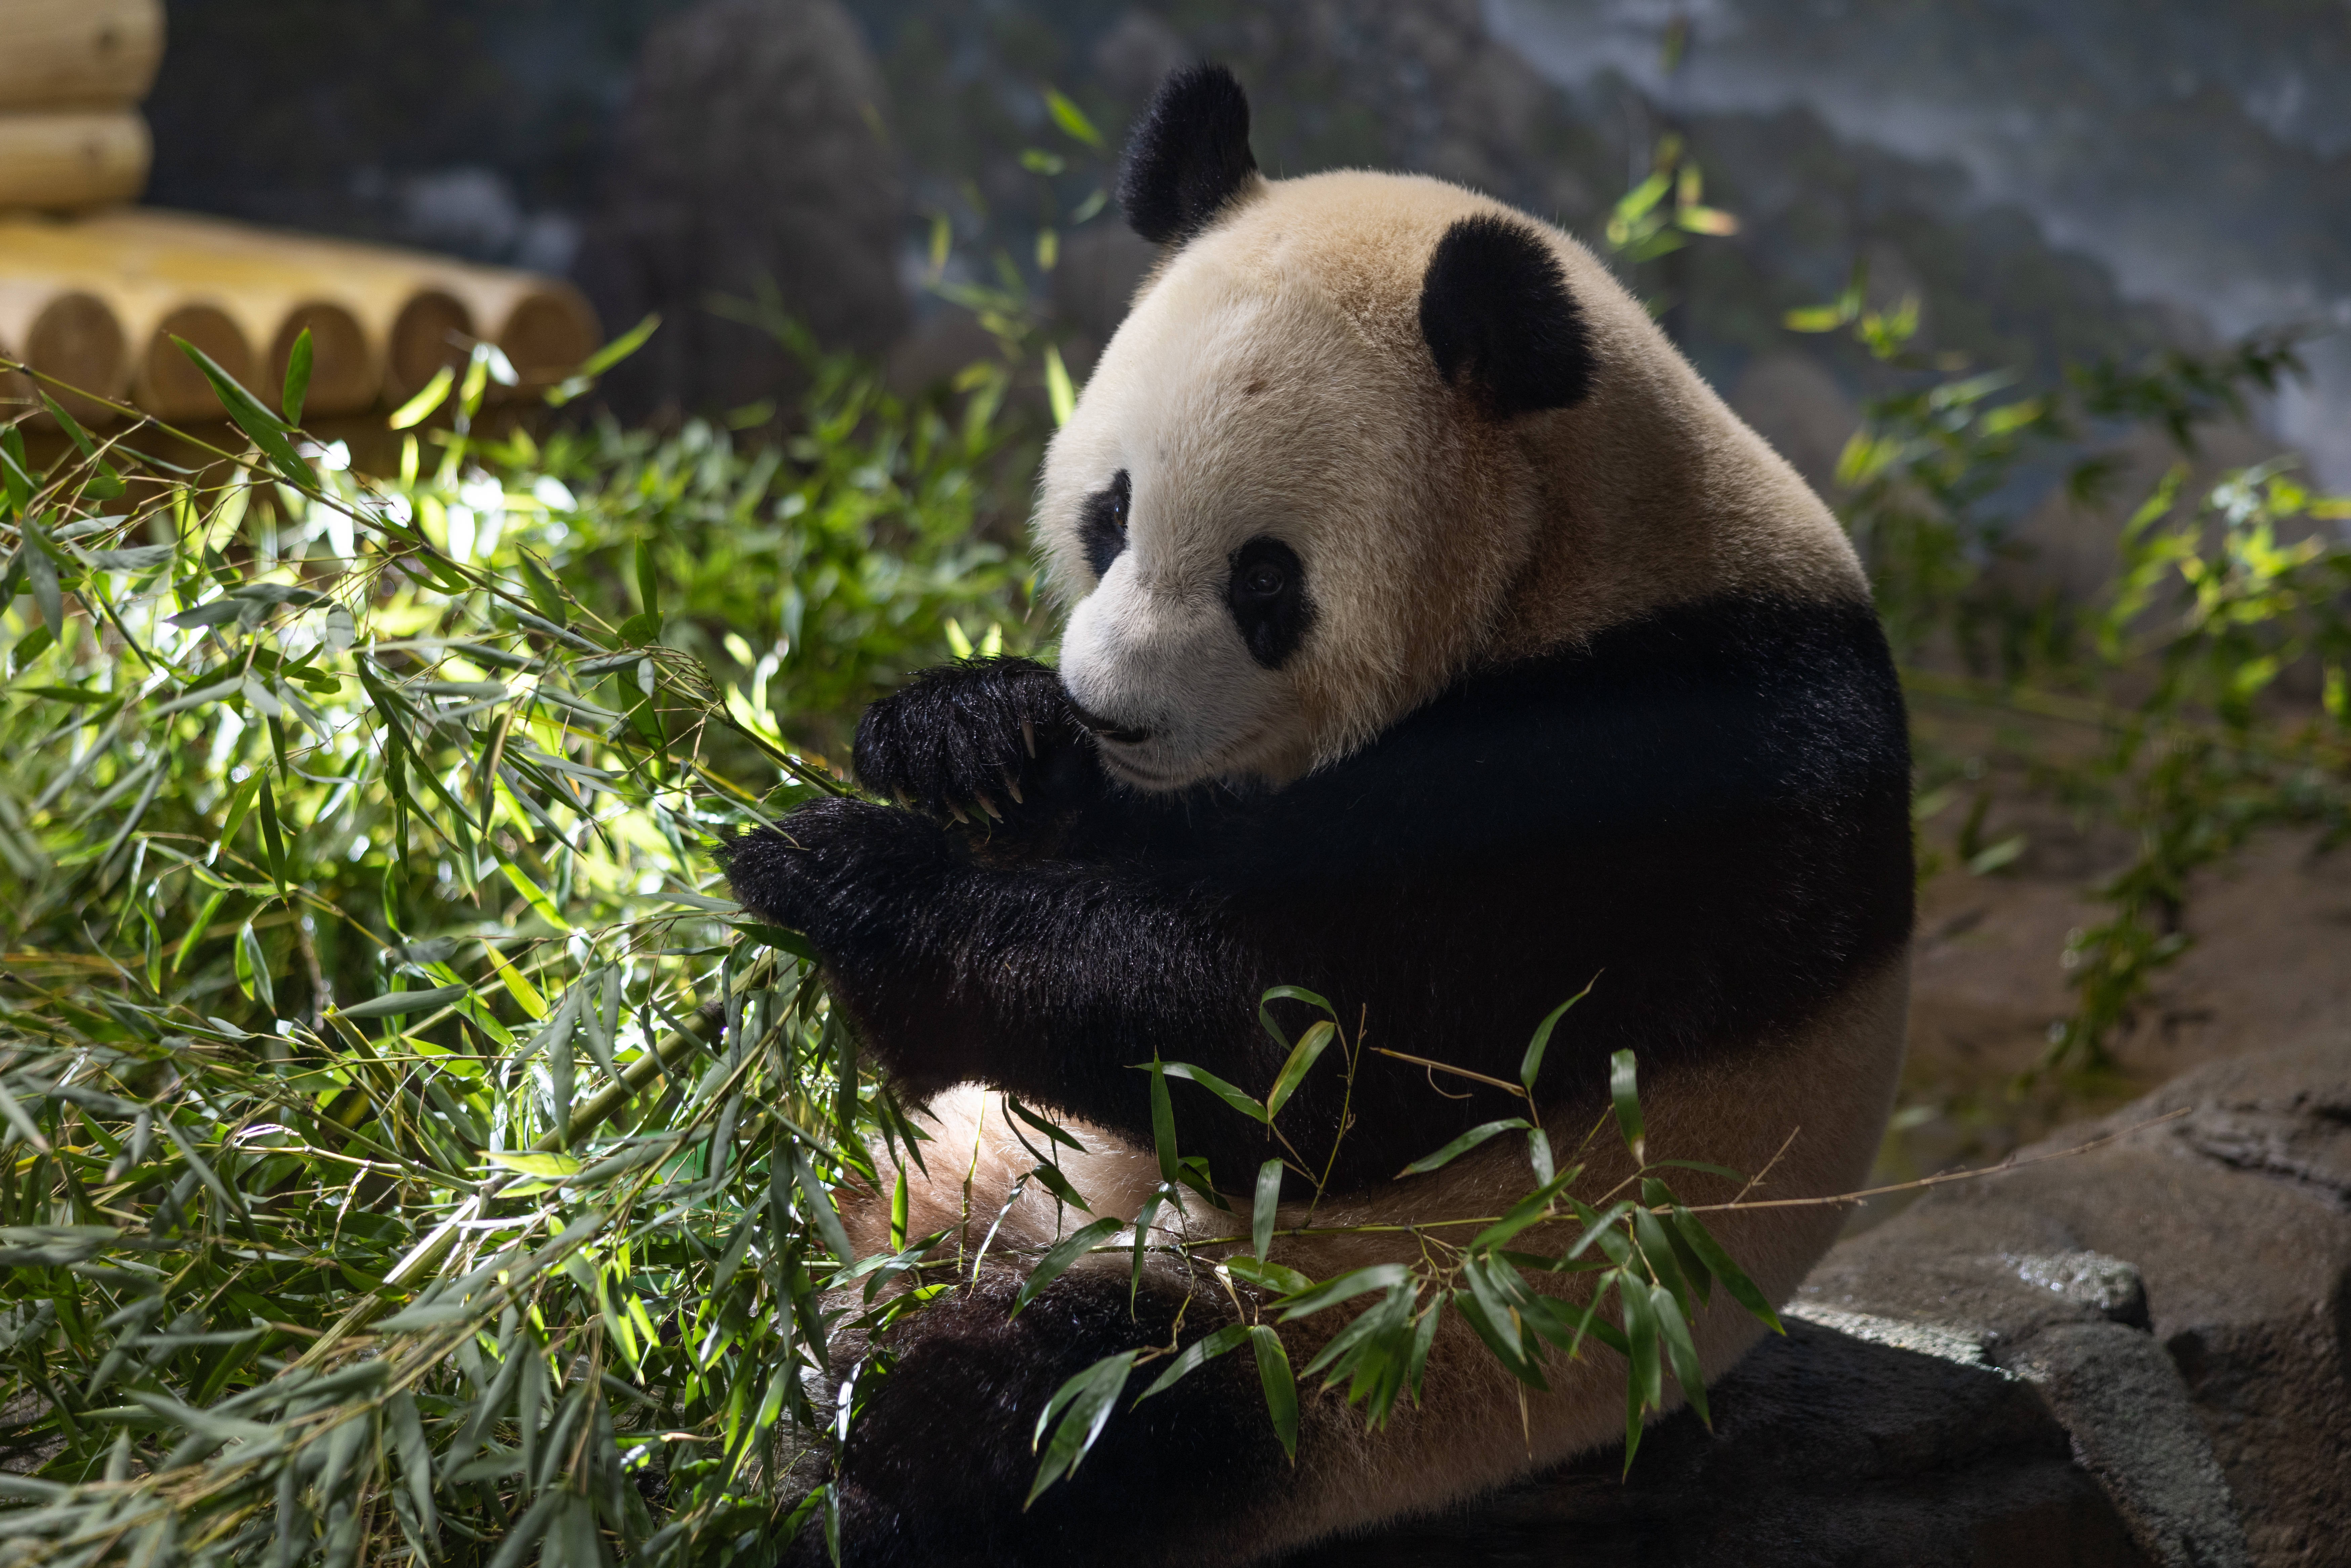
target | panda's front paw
x=833, y=867
x=979, y=740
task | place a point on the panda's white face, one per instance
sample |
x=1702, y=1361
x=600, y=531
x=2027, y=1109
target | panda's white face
x=1258, y=514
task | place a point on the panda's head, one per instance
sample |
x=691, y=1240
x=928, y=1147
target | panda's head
x=1296, y=492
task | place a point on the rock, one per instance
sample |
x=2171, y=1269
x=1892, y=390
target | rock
x=753, y=154
x=2136, y=1354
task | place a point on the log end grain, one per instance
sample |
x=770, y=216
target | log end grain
x=345, y=374
x=432, y=329
x=551, y=330
x=164, y=382
x=73, y=339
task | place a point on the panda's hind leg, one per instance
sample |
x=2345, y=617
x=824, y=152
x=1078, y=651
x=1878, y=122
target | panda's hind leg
x=940, y=1455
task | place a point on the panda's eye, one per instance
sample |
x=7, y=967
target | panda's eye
x=1102, y=526
x=1267, y=594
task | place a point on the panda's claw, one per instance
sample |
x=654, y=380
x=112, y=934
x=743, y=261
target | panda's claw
x=956, y=812
x=1012, y=787
x=1028, y=739
x=989, y=806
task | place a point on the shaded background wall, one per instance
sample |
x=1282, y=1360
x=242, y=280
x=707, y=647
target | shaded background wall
x=2055, y=180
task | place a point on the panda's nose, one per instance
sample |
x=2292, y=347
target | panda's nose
x=1110, y=729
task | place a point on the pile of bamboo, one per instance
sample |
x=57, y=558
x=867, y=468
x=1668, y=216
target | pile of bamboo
x=72, y=75
x=92, y=292
x=95, y=302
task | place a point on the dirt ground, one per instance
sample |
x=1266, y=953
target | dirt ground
x=2270, y=965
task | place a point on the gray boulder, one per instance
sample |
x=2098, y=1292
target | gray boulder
x=2137, y=1354
x=753, y=154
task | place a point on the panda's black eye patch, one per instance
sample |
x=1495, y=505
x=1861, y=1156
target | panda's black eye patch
x=1267, y=592
x=1102, y=526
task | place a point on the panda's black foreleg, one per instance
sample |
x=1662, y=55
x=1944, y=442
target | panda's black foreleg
x=1051, y=980
x=940, y=1455
x=981, y=742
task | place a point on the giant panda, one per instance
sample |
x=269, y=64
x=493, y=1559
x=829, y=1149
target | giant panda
x=1436, y=640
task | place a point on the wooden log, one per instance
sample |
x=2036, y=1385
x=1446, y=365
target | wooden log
x=79, y=54
x=382, y=320
x=271, y=303
x=543, y=326
x=425, y=309
x=412, y=322
x=166, y=384
x=71, y=159
x=67, y=333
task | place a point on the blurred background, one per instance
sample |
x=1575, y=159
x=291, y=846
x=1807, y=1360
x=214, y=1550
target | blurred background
x=2087, y=177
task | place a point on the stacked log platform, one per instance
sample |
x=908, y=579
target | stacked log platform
x=96, y=300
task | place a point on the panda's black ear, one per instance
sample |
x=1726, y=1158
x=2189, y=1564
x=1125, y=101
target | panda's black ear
x=1188, y=156
x=1499, y=321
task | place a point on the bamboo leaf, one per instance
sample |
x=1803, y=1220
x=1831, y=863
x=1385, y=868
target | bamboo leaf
x=1214, y=1085
x=1262, y=1211
x=1645, y=1388
x=1347, y=1287
x=1673, y=1331
x=1719, y=1263
x=298, y=376
x=1196, y=1355
x=403, y=1004
x=428, y=398
x=1163, y=1124
x=1083, y=1403
x=1624, y=1093
x=1278, y=1277
x=1072, y=118
x=1059, y=1260
x=1309, y=1049
x=1280, y=1388
x=1462, y=1145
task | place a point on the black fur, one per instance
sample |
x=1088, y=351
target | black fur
x=1267, y=592
x=1707, y=808
x=1104, y=527
x=1189, y=154
x=940, y=1458
x=1495, y=309
x=986, y=738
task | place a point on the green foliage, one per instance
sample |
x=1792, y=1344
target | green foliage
x=408, y=1152
x=1651, y=1254
x=2195, y=675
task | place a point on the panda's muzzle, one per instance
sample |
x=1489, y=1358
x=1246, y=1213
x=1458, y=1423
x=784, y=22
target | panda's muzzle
x=1108, y=729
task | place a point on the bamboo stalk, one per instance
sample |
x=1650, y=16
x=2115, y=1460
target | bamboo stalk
x=81, y=54
x=67, y=333
x=69, y=160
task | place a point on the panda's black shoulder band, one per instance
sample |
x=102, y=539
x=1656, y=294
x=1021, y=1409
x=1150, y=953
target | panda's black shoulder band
x=1189, y=155
x=1495, y=309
